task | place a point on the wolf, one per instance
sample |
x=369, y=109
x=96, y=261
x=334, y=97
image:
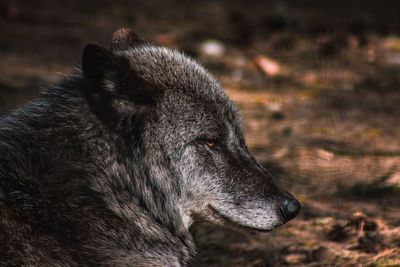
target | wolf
x=112, y=165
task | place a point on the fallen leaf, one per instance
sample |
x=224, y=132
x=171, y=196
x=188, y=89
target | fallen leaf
x=267, y=65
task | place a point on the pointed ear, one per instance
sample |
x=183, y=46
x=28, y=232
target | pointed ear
x=101, y=70
x=113, y=90
x=124, y=39
x=97, y=61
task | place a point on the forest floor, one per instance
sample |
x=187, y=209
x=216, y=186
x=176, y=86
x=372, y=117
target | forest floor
x=320, y=101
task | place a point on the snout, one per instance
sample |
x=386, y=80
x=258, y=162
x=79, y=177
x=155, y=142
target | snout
x=289, y=208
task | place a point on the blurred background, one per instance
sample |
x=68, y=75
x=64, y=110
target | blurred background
x=317, y=84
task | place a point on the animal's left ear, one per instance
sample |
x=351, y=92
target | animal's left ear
x=113, y=90
x=102, y=70
x=124, y=39
x=97, y=61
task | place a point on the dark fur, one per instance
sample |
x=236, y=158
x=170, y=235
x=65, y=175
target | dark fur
x=109, y=166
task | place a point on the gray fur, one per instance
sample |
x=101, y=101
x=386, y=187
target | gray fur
x=111, y=166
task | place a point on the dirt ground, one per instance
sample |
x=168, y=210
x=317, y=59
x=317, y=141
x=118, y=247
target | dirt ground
x=318, y=87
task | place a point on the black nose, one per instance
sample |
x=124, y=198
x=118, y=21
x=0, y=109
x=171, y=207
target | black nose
x=290, y=208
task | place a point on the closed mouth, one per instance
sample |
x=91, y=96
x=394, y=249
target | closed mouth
x=229, y=222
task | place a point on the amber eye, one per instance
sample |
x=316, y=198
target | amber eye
x=211, y=144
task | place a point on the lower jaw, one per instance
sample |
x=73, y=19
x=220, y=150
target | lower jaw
x=226, y=221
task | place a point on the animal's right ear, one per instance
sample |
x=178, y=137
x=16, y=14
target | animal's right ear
x=124, y=38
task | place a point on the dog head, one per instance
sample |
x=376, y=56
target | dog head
x=189, y=131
